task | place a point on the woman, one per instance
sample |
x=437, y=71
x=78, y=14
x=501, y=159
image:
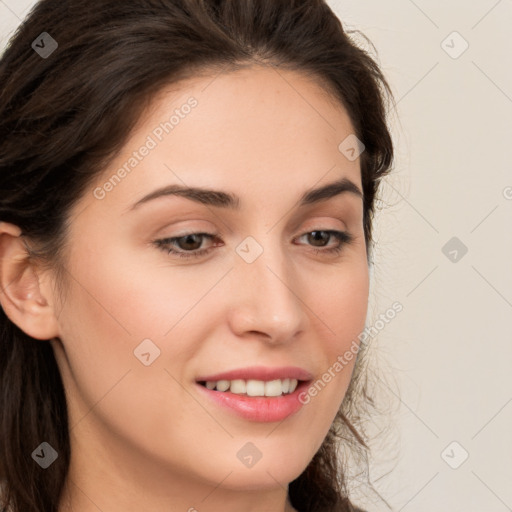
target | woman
x=187, y=192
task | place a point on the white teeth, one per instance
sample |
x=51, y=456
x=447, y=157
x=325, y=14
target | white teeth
x=273, y=388
x=255, y=387
x=238, y=386
x=223, y=385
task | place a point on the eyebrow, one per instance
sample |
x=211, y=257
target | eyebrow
x=223, y=199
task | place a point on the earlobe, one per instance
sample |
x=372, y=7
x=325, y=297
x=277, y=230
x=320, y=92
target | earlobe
x=20, y=292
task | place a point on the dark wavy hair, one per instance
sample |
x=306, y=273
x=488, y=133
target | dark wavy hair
x=62, y=120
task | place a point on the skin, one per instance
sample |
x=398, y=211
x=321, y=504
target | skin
x=143, y=437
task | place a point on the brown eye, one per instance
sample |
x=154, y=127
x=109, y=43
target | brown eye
x=316, y=236
x=190, y=242
x=185, y=246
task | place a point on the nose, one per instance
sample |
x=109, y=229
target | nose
x=266, y=298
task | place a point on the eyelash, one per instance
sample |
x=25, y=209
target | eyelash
x=343, y=237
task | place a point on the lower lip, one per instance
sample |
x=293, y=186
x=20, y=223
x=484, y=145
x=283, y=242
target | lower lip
x=258, y=408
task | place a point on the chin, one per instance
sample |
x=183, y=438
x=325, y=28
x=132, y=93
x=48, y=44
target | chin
x=279, y=468
x=264, y=478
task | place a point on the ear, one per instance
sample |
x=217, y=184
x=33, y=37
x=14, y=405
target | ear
x=22, y=296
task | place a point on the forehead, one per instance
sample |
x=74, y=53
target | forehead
x=252, y=130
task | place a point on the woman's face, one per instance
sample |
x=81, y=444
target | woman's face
x=140, y=326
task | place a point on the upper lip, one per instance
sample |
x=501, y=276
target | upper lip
x=264, y=373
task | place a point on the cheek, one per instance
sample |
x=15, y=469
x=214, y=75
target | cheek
x=109, y=311
x=136, y=299
x=340, y=300
x=341, y=306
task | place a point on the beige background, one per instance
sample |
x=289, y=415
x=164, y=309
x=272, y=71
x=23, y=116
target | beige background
x=448, y=354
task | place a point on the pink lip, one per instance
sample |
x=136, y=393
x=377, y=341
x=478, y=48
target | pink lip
x=264, y=373
x=261, y=409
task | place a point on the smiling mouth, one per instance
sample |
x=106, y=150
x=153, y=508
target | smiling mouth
x=253, y=387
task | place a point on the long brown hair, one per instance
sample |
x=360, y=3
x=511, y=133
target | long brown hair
x=63, y=117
